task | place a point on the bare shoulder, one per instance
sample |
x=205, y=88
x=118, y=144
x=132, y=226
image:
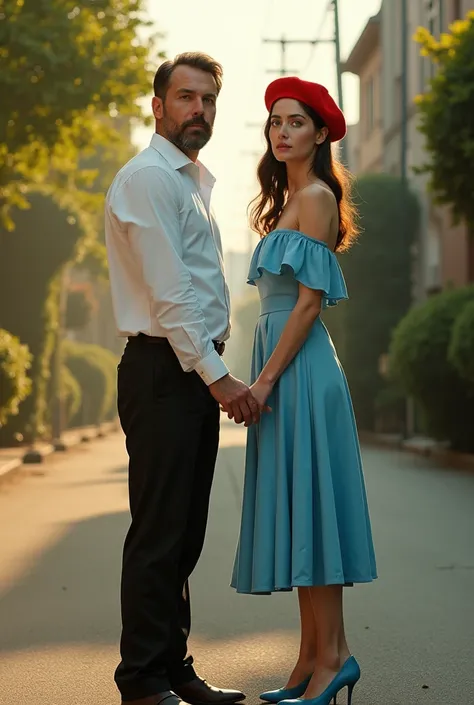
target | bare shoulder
x=318, y=212
x=317, y=198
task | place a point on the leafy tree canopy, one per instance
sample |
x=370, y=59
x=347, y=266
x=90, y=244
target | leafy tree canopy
x=67, y=71
x=447, y=122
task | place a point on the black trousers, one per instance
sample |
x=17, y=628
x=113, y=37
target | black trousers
x=171, y=424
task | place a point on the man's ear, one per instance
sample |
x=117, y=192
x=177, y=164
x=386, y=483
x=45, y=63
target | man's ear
x=157, y=108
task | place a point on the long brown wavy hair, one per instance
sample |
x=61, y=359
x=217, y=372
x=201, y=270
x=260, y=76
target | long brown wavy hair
x=268, y=206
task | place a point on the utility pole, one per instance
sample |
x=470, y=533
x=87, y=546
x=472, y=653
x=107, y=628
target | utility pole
x=410, y=420
x=283, y=71
x=404, y=93
x=340, y=95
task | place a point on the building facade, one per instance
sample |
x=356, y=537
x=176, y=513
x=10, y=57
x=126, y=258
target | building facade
x=366, y=139
x=443, y=256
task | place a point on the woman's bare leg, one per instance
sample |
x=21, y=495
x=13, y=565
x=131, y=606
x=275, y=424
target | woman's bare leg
x=331, y=646
x=307, y=653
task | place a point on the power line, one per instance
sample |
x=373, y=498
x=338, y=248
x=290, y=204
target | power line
x=318, y=34
x=283, y=42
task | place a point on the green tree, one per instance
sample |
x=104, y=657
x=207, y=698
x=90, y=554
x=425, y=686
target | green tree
x=377, y=270
x=446, y=112
x=67, y=69
x=31, y=260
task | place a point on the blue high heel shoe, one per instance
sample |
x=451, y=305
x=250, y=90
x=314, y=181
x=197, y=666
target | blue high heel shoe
x=276, y=696
x=347, y=677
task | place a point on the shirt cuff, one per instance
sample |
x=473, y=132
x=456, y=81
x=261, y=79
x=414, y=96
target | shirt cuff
x=212, y=368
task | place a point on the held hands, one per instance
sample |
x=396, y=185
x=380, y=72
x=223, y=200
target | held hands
x=237, y=400
x=261, y=390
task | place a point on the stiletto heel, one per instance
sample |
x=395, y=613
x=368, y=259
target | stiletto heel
x=350, y=688
x=347, y=677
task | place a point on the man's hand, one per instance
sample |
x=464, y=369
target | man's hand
x=236, y=399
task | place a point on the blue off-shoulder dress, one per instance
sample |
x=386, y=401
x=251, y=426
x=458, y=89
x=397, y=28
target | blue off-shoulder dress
x=305, y=519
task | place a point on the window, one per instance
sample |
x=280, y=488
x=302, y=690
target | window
x=432, y=13
x=456, y=10
x=422, y=60
x=398, y=99
x=433, y=22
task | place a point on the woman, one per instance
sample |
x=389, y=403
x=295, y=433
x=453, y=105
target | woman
x=305, y=520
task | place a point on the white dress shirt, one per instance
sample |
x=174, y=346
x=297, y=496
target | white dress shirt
x=165, y=256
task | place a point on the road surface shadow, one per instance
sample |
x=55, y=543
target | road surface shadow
x=71, y=593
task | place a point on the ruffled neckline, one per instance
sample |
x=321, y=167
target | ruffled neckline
x=309, y=260
x=289, y=231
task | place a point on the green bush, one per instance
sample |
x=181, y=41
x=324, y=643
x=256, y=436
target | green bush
x=71, y=394
x=461, y=349
x=15, y=385
x=419, y=361
x=94, y=368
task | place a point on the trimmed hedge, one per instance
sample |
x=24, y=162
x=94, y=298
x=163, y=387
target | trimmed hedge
x=95, y=369
x=419, y=361
x=79, y=308
x=377, y=270
x=31, y=261
x=15, y=385
x=461, y=349
x=71, y=394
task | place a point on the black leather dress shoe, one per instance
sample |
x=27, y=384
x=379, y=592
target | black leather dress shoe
x=199, y=692
x=168, y=697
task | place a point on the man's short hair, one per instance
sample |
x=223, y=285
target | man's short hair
x=197, y=60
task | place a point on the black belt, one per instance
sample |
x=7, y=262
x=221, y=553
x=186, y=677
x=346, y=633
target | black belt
x=218, y=345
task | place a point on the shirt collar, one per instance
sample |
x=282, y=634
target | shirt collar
x=177, y=159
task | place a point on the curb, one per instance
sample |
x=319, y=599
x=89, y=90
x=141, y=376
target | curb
x=8, y=468
x=77, y=436
x=426, y=448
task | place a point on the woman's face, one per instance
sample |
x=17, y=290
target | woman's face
x=293, y=134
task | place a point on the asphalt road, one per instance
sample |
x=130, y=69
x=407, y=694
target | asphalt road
x=62, y=525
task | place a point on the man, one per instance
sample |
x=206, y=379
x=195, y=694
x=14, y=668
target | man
x=171, y=301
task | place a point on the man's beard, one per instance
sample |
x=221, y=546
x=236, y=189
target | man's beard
x=184, y=138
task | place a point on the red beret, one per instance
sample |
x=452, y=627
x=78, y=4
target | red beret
x=312, y=94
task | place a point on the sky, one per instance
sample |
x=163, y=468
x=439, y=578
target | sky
x=231, y=31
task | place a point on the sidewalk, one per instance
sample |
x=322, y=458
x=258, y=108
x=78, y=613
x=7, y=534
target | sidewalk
x=13, y=458
x=421, y=445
